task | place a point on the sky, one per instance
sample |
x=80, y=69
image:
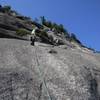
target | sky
x=81, y=17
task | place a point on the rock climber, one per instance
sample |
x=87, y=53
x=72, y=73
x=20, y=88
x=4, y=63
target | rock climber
x=33, y=36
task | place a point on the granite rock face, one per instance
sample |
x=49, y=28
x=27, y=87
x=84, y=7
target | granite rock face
x=32, y=73
x=10, y=24
x=67, y=71
x=13, y=25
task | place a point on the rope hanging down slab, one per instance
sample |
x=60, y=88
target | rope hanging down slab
x=42, y=78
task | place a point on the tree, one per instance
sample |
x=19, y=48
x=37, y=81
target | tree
x=54, y=25
x=0, y=8
x=43, y=20
x=74, y=38
x=7, y=9
x=61, y=28
x=48, y=24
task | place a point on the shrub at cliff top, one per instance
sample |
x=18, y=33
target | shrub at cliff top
x=22, y=32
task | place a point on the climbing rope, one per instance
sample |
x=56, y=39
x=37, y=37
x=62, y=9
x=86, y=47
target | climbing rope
x=42, y=78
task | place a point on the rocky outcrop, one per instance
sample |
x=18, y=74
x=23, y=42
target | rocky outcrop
x=14, y=25
x=32, y=73
x=66, y=71
x=10, y=24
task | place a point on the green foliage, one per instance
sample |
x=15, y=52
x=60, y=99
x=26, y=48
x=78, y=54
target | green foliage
x=22, y=32
x=58, y=28
x=74, y=38
x=44, y=33
x=61, y=28
x=0, y=6
x=41, y=34
x=48, y=24
x=23, y=17
x=6, y=9
x=13, y=12
x=43, y=20
x=44, y=37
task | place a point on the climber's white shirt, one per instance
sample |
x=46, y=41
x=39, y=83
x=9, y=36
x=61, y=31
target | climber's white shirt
x=33, y=31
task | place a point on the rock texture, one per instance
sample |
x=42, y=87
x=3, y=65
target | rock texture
x=10, y=24
x=32, y=73
x=66, y=71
